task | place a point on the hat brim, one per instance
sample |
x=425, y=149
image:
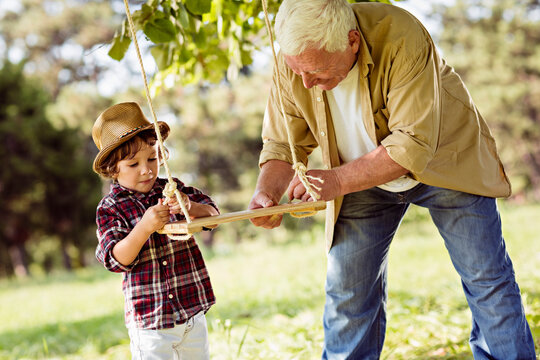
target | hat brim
x=103, y=153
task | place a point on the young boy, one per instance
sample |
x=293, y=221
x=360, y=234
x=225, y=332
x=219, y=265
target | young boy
x=165, y=283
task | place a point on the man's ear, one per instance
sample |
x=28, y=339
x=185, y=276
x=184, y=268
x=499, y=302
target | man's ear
x=354, y=40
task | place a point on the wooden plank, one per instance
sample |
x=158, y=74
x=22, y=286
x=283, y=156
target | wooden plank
x=196, y=225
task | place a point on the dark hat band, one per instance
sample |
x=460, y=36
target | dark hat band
x=132, y=130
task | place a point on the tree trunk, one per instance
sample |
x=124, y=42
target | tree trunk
x=19, y=260
x=66, y=259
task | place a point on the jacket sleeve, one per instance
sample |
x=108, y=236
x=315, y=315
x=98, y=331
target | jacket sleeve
x=413, y=102
x=274, y=132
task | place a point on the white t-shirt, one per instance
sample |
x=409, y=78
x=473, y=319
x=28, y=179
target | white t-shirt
x=353, y=140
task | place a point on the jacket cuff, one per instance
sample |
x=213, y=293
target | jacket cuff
x=408, y=151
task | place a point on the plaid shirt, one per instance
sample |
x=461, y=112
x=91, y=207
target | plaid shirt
x=168, y=282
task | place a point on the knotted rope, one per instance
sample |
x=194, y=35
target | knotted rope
x=298, y=167
x=170, y=189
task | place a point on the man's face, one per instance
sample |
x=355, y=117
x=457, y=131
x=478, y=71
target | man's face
x=323, y=69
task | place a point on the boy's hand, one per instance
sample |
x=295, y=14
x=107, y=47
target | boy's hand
x=155, y=217
x=174, y=205
x=195, y=210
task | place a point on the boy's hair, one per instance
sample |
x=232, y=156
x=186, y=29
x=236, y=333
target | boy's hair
x=108, y=168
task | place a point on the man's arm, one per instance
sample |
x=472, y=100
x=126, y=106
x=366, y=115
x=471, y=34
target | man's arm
x=374, y=168
x=273, y=180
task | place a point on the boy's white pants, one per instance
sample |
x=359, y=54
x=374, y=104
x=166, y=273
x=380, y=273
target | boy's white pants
x=188, y=341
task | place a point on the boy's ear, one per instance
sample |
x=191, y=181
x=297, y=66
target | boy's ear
x=114, y=175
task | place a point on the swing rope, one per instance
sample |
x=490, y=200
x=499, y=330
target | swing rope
x=170, y=189
x=298, y=167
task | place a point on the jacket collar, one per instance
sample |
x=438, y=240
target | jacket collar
x=365, y=61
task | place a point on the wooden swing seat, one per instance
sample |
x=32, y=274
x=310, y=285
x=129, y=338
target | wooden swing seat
x=182, y=230
x=197, y=225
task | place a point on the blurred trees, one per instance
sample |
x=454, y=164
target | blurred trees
x=55, y=37
x=46, y=187
x=49, y=206
x=495, y=47
x=48, y=102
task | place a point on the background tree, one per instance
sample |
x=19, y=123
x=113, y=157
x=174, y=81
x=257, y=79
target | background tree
x=47, y=187
x=56, y=38
x=216, y=137
x=53, y=191
x=495, y=47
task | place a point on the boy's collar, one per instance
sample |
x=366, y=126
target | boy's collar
x=120, y=190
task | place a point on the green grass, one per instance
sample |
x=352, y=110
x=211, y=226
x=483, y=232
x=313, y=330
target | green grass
x=270, y=300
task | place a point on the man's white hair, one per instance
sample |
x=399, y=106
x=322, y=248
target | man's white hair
x=313, y=24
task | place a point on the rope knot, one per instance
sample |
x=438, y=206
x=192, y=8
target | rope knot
x=300, y=167
x=169, y=190
x=301, y=170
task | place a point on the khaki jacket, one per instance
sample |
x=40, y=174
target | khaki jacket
x=413, y=103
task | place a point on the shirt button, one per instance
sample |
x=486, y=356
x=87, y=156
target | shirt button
x=323, y=133
x=171, y=296
x=164, y=262
x=319, y=99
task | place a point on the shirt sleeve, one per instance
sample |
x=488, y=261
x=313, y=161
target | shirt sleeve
x=111, y=228
x=274, y=132
x=195, y=195
x=413, y=103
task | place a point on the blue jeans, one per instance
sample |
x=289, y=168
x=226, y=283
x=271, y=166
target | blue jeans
x=356, y=283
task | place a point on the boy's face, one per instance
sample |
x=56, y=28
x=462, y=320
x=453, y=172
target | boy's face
x=139, y=172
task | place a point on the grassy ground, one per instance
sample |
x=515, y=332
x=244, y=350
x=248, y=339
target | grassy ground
x=270, y=300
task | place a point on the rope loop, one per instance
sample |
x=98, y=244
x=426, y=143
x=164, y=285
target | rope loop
x=300, y=170
x=169, y=191
x=180, y=237
x=299, y=167
x=171, y=185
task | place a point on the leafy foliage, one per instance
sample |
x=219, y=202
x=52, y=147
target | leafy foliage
x=196, y=40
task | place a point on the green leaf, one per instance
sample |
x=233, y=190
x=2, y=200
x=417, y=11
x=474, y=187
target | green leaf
x=200, y=38
x=160, y=30
x=119, y=47
x=199, y=7
x=160, y=53
x=183, y=16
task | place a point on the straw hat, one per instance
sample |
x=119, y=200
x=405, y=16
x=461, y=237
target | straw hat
x=118, y=124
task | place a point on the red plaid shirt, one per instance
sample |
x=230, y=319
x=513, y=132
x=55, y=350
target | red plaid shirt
x=168, y=282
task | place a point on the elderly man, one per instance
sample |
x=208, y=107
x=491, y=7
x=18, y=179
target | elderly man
x=396, y=126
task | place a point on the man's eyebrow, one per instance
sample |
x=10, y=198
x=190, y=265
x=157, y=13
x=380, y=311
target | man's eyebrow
x=314, y=71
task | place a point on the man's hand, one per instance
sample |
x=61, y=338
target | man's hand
x=262, y=200
x=271, y=184
x=330, y=187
